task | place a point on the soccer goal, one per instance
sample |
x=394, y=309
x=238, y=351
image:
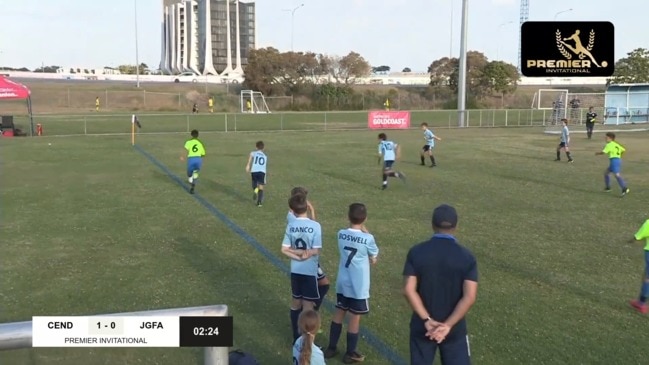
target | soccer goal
x=579, y=103
x=553, y=100
x=253, y=102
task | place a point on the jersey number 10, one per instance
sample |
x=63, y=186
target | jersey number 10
x=259, y=160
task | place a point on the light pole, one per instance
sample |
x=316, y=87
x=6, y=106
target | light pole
x=461, y=90
x=293, y=22
x=561, y=12
x=500, y=27
x=137, y=51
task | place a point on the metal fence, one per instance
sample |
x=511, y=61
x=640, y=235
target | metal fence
x=18, y=335
x=97, y=124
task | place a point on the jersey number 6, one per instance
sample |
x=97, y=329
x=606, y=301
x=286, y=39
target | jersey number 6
x=352, y=253
x=195, y=148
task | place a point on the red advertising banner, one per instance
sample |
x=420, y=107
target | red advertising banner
x=381, y=119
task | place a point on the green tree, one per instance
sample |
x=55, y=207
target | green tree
x=264, y=71
x=500, y=77
x=476, y=62
x=349, y=68
x=634, y=68
x=406, y=70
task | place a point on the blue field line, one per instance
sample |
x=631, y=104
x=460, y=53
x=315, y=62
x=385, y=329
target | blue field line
x=381, y=347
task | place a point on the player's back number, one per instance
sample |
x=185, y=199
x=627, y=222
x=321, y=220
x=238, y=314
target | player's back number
x=195, y=147
x=300, y=244
x=260, y=160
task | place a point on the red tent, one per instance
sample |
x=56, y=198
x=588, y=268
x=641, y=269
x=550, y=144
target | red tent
x=10, y=90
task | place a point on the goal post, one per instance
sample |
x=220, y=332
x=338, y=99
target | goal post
x=253, y=102
x=555, y=100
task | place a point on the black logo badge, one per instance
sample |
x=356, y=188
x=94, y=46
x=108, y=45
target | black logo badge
x=567, y=49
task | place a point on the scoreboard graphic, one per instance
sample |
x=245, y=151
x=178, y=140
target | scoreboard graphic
x=132, y=331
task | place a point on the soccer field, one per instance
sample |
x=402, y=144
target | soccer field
x=92, y=225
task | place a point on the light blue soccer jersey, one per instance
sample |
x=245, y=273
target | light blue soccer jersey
x=290, y=217
x=565, y=134
x=317, y=356
x=430, y=137
x=259, y=161
x=356, y=248
x=303, y=234
x=388, y=150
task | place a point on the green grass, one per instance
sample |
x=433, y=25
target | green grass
x=90, y=227
x=100, y=123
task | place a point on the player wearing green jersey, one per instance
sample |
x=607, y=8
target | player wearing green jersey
x=640, y=304
x=614, y=151
x=195, y=153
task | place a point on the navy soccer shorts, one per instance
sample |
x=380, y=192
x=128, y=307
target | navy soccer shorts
x=305, y=287
x=258, y=178
x=355, y=306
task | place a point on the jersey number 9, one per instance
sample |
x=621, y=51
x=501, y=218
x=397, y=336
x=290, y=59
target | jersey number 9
x=300, y=244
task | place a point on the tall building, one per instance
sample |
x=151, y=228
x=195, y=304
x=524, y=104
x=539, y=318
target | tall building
x=207, y=37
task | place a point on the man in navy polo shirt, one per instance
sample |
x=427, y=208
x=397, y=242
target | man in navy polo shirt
x=441, y=284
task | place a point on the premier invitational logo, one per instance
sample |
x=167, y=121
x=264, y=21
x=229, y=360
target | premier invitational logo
x=572, y=49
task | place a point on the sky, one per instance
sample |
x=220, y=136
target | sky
x=397, y=33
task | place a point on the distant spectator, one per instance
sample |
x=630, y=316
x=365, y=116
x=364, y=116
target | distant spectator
x=210, y=104
x=97, y=103
x=195, y=108
x=249, y=106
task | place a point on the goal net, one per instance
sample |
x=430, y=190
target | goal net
x=555, y=101
x=579, y=103
x=253, y=102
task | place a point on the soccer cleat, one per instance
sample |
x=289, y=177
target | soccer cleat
x=571, y=161
x=353, y=358
x=640, y=307
x=607, y=190
x=191, y=190
x=329, y=353
x=259, y=205
x=433, y=165
x=625, y=191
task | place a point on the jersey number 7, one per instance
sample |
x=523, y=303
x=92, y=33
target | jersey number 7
x=350, y=257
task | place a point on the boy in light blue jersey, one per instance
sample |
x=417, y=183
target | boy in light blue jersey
x=427, y=150
x=564, y=141
x=256, y=166
x=357, y=251
x=389, y=152
x=302, y=243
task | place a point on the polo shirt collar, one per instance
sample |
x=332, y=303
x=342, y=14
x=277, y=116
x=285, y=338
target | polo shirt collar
x=445, y=236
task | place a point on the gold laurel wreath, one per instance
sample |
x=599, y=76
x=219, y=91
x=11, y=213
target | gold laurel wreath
x=591, y=43
x=563, y=51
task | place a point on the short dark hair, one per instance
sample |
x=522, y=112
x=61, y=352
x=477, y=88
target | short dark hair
x=297, y=203
x=564, y=120
x=194, y=133
x=424, y=124
x=260, y=145
x=611, y=135
x=298, y=190
x=382, y=136
x=357, y=213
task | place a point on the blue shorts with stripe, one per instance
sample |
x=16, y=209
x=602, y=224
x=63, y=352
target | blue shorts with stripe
x=615, y=165
x=194, y=164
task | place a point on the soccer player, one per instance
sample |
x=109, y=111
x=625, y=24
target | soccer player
x=323, y=280
x=614, y=151
x=195, y=153
x=590, y=122
x=210, y=104
x=641, y=303
x=357, y=251
x=256, y=166
x=302, y=244
x=389, y=151
x=427, y=150
x=565, y=141
x=97, y=103
x=305, y=352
